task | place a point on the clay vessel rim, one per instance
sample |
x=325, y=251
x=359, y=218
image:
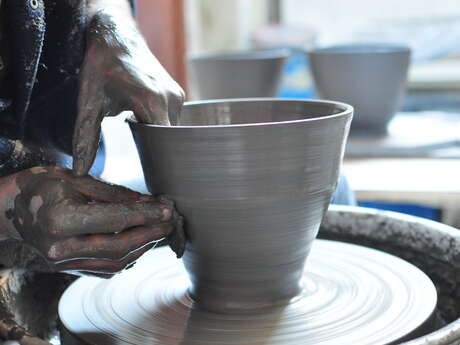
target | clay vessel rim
x=370, y=48
x=254, y=54
x=347, y=111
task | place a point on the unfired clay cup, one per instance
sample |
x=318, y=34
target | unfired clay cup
x=255, y=73
x=370, y=77
x=253, y=179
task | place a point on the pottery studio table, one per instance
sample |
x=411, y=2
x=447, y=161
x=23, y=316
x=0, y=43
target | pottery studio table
x=417, y=163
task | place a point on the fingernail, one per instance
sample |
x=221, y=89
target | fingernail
x=177, y=242
x=167, y=213
x=178, y=239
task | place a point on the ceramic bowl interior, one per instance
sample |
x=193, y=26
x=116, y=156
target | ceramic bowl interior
x=242, y=112
x=241, y=55
x=368, y=48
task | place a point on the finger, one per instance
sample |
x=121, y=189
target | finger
x=97, y=190
x=97, y=218
x=102, y=266
x=175, y=102
x=152, y=108
x=177, y=238
x=113, y=247
x=91, y=104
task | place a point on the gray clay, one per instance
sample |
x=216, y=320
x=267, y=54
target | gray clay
x=252, y=179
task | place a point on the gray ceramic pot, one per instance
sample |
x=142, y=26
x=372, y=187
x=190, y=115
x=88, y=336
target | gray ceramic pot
x=370, y=77
x=253, y=179
x=237, y=75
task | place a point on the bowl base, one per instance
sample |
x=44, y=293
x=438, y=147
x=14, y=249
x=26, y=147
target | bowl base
x=351, y=295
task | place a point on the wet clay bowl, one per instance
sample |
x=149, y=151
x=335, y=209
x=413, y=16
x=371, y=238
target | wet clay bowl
x=253, y=179
x=254, y=73
x=370, y=77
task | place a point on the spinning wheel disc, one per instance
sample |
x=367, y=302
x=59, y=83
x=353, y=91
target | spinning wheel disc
x=351, y=295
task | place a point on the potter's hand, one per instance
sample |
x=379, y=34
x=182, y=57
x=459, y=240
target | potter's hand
x=119, y=73
x=82, y=225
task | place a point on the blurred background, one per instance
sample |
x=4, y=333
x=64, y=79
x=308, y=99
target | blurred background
x=432, y=30
x=413, y=168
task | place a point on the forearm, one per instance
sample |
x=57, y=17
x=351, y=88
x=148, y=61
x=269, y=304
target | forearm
x=112, y=23
x=117, y=8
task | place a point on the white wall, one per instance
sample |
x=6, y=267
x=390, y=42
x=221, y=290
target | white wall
x=336, y=19
x=430, y=27
x=218, y=25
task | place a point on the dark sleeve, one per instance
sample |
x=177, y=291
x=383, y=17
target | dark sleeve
x=52, y=115
x=54, y=105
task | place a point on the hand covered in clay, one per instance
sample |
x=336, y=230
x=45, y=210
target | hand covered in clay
x=83, y=225
x=119, y=73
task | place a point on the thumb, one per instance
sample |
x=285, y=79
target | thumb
x=91, y=104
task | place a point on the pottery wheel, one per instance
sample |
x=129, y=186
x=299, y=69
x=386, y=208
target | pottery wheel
x=352, y=295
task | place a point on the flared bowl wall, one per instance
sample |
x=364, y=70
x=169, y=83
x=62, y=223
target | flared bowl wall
x=253, y=179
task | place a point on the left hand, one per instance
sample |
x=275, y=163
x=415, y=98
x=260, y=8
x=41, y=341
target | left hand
x=83, y=225
x=119, y=73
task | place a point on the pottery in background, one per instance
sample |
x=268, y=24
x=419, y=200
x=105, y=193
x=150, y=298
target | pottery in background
x=255, y=73
x=370, y=77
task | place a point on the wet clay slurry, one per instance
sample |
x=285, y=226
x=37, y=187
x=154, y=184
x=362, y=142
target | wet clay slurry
x=253, y=179
x=350, y=295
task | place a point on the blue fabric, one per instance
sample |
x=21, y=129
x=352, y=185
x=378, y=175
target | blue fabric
x=412, y=209
x=295, y=82
x=344, y=195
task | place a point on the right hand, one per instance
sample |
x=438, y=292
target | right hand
x=83, y=225
x=119, y=72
